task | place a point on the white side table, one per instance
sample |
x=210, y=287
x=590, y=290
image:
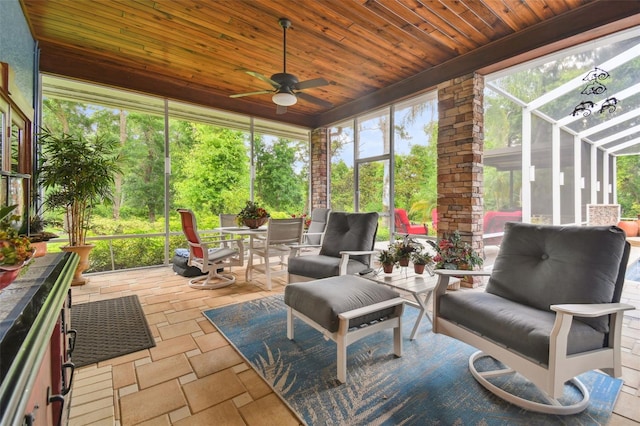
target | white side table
x=406, y=280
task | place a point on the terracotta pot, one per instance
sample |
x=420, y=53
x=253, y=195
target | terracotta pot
x=8, y=274
x=630, y=227
x=83, y=265
x=255, y=223
x=41, y=248
x=418, y=269
x=404, y=262
x=387, y=268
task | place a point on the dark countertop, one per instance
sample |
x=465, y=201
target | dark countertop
x=21, y=302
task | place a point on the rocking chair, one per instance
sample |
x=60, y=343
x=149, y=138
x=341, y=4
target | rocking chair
x=210, y=255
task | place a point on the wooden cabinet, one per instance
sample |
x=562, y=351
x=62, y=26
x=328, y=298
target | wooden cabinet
x=36, y=342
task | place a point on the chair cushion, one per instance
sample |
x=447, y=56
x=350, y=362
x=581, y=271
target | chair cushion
x=350, y=232
x=320, y=266
x=322, y=300
x=541, y=266
x=521, y=328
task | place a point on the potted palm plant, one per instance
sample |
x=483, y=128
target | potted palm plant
x=77, y=173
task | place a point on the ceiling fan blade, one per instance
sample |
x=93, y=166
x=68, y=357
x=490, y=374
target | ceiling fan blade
x=280, y=109
x=315, y=100
x=308, y=84
x=264, y=78
x=261, y=92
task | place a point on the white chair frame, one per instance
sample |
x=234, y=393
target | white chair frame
x=562, y=367
x=222, y=252
x=281, y=235
x=344, y=337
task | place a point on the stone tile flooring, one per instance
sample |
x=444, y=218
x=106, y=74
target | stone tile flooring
x=194, y=377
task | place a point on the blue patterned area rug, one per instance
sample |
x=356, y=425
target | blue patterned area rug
x=430, y=384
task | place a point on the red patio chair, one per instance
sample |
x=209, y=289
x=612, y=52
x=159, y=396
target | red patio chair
x=404, y=226
x=210, y=255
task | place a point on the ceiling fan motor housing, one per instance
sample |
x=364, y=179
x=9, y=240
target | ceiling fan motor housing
x=285, y=79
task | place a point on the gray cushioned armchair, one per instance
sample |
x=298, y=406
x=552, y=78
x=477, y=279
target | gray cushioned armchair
x=550, y=310
x=347, y=248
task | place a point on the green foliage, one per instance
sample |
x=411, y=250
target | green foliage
x=77, y=173
x=214, y=173
x=373, y=179
x=143, y=186
x=628, y=174
x=278, y=184
x=131, y=253
x=342, y=187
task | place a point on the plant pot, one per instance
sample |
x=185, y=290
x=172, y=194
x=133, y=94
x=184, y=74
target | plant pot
x=41, y=248
x=255, y=223
x=403, y=262
x=9, y=273
x=419, y=268
x=630, y=227
x=83, y=264
x=387, y=268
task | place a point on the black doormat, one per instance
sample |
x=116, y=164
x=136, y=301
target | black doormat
x=109, y=328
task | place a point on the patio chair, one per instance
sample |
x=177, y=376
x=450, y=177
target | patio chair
x=228, y=220
x=404, y=226
x=315, y=233
x=551, y=311
x=210, y=255
x=281, y=234
x=347, y=248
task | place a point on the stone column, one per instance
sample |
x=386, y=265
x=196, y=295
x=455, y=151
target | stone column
x=460, y=145
x=319, y=179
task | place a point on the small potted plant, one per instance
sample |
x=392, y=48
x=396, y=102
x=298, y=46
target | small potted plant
x=15, y=250
x=252, y=215
x=420, y=260
x=403, y=248
x=38, y=236
x=387, y=259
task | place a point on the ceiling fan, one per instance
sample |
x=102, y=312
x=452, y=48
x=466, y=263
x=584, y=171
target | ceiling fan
x=286, y=87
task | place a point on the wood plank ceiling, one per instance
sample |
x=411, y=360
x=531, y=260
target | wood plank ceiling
x=371, y=52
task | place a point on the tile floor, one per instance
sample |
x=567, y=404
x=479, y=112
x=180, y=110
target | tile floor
x=194, y=377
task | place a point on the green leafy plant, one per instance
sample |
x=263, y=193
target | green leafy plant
x=386, y=257
x=77, y=173
x=453, y=253
x=14, y=249
x=404, y=247
x=421, y=258
x=252, y=211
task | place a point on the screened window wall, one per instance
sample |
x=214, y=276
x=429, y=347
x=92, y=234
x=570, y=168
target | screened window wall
x=385, y=161
x=206, y=160
x=554, y=128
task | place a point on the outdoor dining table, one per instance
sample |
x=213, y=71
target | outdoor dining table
x=242, y=231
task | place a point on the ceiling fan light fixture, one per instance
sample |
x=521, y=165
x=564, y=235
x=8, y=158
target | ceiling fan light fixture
x=284, y=99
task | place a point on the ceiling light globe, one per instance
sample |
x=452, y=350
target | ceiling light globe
x=284, y=99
